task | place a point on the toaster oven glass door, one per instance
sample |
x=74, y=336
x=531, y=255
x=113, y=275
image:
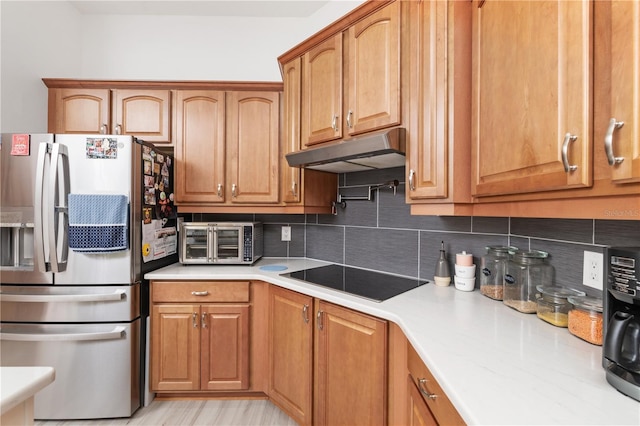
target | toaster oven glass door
x=228, y=244
x=196, y=247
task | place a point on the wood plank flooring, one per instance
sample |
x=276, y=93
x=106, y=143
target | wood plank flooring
x=194, y=412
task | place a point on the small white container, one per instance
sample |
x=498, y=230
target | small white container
x=465, y=284
x=442, y=281
x=463, y=271
x=464, y=259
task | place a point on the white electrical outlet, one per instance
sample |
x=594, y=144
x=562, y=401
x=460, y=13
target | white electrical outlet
x=286, y=233
x=592, y=270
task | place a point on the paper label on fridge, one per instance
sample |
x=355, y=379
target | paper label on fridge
x=20, y=144
x=158, y=242
x=102, y=148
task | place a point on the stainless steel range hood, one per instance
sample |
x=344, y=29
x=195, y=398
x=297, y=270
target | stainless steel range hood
x=380, y=150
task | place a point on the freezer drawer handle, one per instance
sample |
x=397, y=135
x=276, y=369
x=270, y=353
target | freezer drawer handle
x=103, y=297
x=116, y=333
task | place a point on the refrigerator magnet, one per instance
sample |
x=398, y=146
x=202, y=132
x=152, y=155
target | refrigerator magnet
x=20, y=144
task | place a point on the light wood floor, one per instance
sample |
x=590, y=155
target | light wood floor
x=208, y=412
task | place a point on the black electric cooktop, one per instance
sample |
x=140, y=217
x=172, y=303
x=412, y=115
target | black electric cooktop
x=376, y=286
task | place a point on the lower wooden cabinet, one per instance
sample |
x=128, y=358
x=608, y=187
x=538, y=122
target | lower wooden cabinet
x=199, y=346
x=419, y=413
x=347, y=378
x=429, y=393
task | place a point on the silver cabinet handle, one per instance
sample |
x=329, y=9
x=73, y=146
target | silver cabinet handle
x=412, y=184
x=334, y=123
x=608, y=142
x=423, y=390
x=118, y=129
x=234, y=190
x=319, y=319
x=194, y=320
x=565, y=153
x=305, y=314
x=200, y=293
x=349, y=123
x=104, y=129
x=219, y=190
x=294, y=187
x=204, y=320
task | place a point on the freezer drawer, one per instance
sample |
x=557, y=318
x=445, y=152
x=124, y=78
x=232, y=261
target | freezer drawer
x=97, y=367
x=69, y=304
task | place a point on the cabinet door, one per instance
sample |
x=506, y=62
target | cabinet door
x=350, y=369
x=373, y=85
x=625, y=91
x=531, y=96
x=225, y=347
x=200, y=146
x=292, y=74
x=175, y=347
x=291, y=353
x=79, y=111
x=143, y=113
x=253, y=146
x=419, y=413
x=322, y=92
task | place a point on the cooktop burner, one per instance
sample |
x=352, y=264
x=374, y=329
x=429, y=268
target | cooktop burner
x=372, y=285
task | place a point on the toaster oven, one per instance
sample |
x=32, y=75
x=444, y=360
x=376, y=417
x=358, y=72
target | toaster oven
x=220, y=242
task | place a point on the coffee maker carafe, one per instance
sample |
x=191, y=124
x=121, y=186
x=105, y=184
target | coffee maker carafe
x=621, y=345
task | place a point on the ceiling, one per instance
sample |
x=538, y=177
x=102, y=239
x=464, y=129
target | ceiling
x=253, y=8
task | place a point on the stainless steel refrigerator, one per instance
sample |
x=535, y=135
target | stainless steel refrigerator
x=82, y=218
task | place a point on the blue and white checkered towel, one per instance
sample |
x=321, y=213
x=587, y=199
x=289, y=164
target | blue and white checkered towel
x=98, y=223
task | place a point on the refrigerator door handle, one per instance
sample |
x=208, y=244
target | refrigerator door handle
x=57, y=208
x=30, y=298
x=117, y=333
x=38, y=233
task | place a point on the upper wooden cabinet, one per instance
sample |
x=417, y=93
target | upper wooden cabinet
x=372, y=94
x=439, y=153
x=617, y=89
x=309, y=191
x=531, y=96
x=322, y=92
x=227, y=148
x=141, y=113
x=79, y=110
x=253, y=147
x=200, y=146
x=351, y=80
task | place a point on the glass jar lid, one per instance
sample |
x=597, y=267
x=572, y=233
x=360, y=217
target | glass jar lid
x=558, y=294
x=587, y=303
x=501, y=249
x=531, y=256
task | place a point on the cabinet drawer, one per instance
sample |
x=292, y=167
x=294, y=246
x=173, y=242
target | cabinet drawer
x=439, y=404
x=199, y=291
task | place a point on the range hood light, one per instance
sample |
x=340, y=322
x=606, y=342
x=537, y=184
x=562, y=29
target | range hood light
x=380, y=150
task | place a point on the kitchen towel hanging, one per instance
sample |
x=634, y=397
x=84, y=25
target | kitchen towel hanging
x=98, y=223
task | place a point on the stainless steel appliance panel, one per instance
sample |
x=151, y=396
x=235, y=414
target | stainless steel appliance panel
x=17, y=221
x=65, y=304
x=98, y=365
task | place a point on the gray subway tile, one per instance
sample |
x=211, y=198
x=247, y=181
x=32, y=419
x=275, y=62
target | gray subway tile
x=617, y=232
x=387, y=250
x=490, y=225
x=325, y=243
x=578, y=230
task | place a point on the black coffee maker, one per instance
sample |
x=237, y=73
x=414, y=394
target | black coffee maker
x=621, y=345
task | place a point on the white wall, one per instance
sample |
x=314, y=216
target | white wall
x=51, y=39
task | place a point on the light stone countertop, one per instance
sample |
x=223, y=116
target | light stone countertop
x=496, y=365
x=17, y=384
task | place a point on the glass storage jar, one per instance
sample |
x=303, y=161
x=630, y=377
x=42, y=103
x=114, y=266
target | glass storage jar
x=553, y=306
x=585, y=318
x=525, y=271
x=492, y=266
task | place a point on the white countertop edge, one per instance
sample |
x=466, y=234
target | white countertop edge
x=18, y=384
x=496, y=365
